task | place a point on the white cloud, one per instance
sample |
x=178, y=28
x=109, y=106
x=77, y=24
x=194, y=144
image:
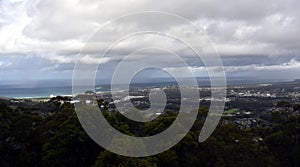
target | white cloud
x=234, y=27
x=4, y=65
x=57, y=30
x=87, y=59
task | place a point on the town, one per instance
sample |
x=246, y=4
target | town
x=246, y=106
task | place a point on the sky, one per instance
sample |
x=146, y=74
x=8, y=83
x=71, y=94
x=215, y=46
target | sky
x=41, y=39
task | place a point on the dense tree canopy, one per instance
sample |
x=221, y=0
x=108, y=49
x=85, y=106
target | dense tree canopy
x=29, y=138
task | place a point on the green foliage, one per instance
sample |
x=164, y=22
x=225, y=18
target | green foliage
x=231, y=111
x=67, y=143
x=108, y=159
x=284, y=104
x=28, y=138
x=297, y=107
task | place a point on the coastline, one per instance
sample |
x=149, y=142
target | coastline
x=41, y=98
x=50, y=92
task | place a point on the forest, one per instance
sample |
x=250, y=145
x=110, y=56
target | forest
x=32, y=138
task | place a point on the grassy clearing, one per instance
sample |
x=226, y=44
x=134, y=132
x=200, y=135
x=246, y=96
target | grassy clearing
x=231, y=111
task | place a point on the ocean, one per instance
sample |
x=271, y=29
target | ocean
x=17, y=92
x=55, y=88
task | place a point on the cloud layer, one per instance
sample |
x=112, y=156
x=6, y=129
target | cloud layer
x=253, y=37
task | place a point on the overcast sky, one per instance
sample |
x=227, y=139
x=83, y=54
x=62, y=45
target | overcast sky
x=41, y=39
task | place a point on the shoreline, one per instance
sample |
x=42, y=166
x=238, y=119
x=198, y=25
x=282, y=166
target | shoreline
x=33, y=97
x=44, y=97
